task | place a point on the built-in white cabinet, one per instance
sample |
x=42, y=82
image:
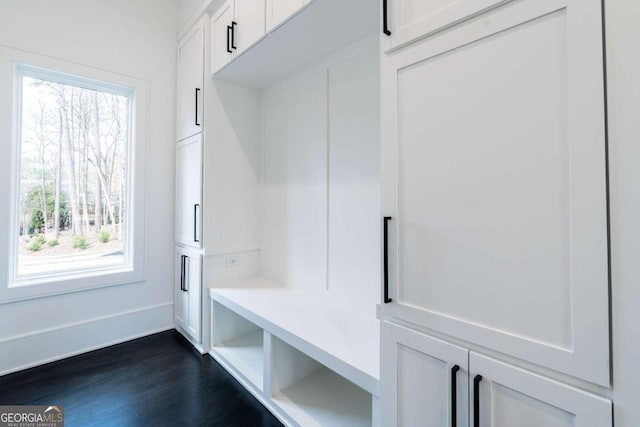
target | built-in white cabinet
x=188, y=290
x=221, y=36
x=278, y=11
x=189, y=192
x=249, y=27
x=407, y=20
x=427, y=381
x=236, y=26
x=493, y=151
x=505, y=396
x=190, y=82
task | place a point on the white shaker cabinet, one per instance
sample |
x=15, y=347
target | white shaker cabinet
x=235, y=27
x=278, y=11
x=249, y=27
x=189, y=192
x=188, y=284
x=425, y=381
x=506, y=396
x=407, y=20
x=221, y=36
x=190, y=82
x=493, y=148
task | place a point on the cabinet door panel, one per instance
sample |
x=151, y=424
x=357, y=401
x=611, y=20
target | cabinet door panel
x=189, y=192
x=190, y=77
x=510, y=396
x=220, y=42
x=417, y=379
x=279, y=11
x=194, y=284
x=411, y=19
x=494, y=174
x=181, y=303
x=250, y=23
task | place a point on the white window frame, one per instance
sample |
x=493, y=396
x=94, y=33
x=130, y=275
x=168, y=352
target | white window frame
x=14, y=65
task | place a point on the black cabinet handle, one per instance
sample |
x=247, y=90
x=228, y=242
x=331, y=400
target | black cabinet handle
x=186, y=274
x=386, y=259
x=454, y=395
x=476, y=400
x=385, y=18
x=229, y=30
x=233, y=34
x=197, y=92
x=182, y=272
x=195, y=223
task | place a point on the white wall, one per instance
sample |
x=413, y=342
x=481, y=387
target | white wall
x=321, y=219
x=623, y=71
x=136, y=38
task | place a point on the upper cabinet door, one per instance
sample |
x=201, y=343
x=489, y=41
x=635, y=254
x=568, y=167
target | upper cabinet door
x=190, y=82
x=249, y=26
x=189, y=192
x=278, y=11
x=508, y=396
x=493, y=151
x=407, y=20
x=424, y=380
x=222, y=41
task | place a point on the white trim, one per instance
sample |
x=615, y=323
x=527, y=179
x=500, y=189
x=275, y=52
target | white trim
x=138, y=323
x=24, y=288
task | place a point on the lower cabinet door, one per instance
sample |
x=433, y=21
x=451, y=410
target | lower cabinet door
x=181, y=298
x=506, y=396
x=187, y=306
x=424, y=380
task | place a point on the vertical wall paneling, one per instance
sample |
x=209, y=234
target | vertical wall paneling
x=321, y=215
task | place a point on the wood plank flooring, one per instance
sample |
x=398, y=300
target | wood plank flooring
x=158, y=380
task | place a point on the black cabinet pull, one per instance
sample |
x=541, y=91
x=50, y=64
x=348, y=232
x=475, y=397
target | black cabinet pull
x=182, y=272
x=186, y=274
x=454, y=395
x=385, y=18
x=197, y=91
x=233, y=34
x=195, y=223
x=386, y=260
x=476, y=400
x=229, y=39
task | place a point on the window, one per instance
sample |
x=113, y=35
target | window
x=73, y=207
x=73, y=176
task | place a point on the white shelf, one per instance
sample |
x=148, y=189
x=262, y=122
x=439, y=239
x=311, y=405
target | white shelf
x=245, y=354
x=326, y=399
x=346, y=342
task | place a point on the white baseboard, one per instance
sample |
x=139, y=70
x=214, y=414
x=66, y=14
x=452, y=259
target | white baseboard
x=44, y=346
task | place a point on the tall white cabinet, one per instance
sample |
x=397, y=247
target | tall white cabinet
x=494, y=192
x=189, y=209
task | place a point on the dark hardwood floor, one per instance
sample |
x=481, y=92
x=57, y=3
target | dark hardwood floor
x=158, y=380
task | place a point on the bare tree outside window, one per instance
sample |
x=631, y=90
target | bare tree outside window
x=73, y=173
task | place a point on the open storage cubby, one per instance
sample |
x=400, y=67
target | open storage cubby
x=239, y=343
x=312, y=394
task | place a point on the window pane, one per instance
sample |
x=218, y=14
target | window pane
x=73, y=172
